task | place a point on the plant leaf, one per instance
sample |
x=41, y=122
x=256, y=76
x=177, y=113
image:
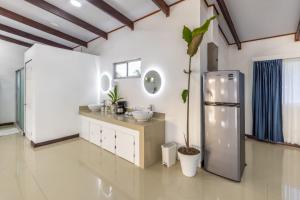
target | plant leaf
x=194, y=45
x=187, y=34
x=116, y=90
x=197, y=37
x=114, y=95
x=204, y=28
x=184, y=95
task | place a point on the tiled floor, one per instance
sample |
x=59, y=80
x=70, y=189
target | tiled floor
x=8, y=130
x=78, y=170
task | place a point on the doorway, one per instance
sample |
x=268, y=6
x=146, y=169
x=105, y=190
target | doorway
x=20, y=97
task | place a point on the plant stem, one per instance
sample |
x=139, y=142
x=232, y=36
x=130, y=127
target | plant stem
x=188, y=106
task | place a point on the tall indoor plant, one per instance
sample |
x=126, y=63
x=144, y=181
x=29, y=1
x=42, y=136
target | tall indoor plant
x=189, y=156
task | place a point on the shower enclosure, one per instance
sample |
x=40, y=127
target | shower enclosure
x=20, y=97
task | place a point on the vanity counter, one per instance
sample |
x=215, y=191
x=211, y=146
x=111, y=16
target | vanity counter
x=147, y=136
x=122, y=120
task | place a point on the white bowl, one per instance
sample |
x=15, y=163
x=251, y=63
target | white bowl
x=142, y=115
x=94, y=107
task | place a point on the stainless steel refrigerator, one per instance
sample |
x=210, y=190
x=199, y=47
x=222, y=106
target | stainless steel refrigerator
x=224, y=120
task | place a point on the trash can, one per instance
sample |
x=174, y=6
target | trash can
x=169, y=152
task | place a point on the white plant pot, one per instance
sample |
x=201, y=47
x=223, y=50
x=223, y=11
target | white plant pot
x=189, y=164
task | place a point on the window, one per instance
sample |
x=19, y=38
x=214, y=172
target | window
x=128, y=69
x=291, y=100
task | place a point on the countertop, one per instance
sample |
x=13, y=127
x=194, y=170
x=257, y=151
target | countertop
x=122, y=120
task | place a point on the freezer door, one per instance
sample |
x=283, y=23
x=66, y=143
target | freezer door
x=222, y=151
x=221, y=86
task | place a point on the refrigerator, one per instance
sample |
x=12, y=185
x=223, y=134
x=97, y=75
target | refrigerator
x=224, y=123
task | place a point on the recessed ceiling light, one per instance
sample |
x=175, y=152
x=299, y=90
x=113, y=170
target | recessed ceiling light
x=76, y=3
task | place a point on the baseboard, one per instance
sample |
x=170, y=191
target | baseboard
x=7, y=124
x=53, y=141
x=270, y=142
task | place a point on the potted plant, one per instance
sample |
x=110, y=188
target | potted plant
x=114, y=98
x=189, y=156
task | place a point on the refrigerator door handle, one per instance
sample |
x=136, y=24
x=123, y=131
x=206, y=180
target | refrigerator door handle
x=222, y=104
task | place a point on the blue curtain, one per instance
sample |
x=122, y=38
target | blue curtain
x=267, y=100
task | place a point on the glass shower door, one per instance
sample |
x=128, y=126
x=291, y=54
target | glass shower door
x=20, y=98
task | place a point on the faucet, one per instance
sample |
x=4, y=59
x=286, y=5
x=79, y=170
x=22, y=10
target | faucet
x=150, y=107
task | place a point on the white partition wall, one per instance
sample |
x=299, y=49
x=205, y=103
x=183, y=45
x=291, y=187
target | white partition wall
x=61, y=81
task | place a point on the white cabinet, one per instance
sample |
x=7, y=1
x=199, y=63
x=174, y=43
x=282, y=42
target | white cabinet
x=95, y=133
x=118, y=140
x=125, y=146
x=85, y=128
x=109, y=139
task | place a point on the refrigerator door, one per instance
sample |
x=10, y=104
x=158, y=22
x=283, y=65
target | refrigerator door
x=221, y=86
x=222, y=138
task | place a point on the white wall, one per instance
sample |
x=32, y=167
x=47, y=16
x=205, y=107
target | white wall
x=213, y=35
x=11, y=59
x=157, y=40
x=242, y=60
x=62, y=81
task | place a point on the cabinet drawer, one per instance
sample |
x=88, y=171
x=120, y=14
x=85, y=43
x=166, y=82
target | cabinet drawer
x=109, y=139
x=125, y=146
x=95, y=134
x=84, y=128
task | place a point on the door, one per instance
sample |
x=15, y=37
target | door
x=125, y=146
x=20, y=95
x=28, y=100
x=222, y=141
x=212, y=57
x=95, y=133
x=85, y=128
x=108, y=139
x=221, y=86
x=19, y=103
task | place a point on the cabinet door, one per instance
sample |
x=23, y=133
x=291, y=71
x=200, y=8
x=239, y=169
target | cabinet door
x=125, y=146
x=95, y=134
x=84, y=128
x=108, y=139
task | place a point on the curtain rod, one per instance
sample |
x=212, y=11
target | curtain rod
x=275, y=57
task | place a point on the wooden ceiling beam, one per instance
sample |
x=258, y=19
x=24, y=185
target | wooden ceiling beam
x=163, y=6
x=67, y=16
x=102, y=5
x=297, y=36
x=24, y=20
x=20, y=33
x=12, y=40
x=229, y=22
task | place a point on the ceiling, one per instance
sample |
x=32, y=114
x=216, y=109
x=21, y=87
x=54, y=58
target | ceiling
x=256, y=19
x=252, y=19
x=132, y=9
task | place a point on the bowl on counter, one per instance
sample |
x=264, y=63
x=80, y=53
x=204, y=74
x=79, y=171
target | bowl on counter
x=142, y=115
x=94, y=107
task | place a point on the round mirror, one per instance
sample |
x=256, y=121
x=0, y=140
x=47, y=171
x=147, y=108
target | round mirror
x=105, y=82
x=152, y=82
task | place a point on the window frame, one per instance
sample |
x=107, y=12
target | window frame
x=127, y=65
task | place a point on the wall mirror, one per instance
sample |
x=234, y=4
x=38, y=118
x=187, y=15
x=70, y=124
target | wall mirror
x=152, y=82
x=105, y=81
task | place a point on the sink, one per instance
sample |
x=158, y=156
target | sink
x=142, y=115
x=94, y=107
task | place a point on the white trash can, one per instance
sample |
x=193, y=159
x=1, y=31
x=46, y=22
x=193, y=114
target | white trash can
x=169, y=152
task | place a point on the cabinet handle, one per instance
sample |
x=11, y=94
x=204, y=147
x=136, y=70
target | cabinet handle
x=100, y=131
